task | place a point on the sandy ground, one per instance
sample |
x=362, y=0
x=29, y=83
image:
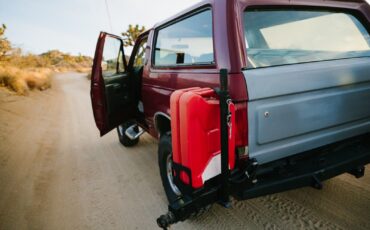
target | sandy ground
x=57, y=173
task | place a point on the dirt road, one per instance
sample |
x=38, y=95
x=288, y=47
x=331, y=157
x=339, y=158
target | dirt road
x=57, y=173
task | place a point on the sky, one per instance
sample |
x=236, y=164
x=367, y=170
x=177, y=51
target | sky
x=73, y=26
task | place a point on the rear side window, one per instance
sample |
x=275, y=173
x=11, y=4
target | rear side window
x=281, y=37
x=187, y=42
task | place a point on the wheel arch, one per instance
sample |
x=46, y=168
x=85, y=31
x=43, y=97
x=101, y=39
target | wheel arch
x=162, y=122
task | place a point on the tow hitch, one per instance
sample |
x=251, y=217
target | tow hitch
x=164, y=221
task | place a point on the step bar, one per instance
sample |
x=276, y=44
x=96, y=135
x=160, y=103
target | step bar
x=134, y=132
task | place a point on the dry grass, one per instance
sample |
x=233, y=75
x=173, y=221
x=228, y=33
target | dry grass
x=54, y=59
x=24, y=72
x=23, y=80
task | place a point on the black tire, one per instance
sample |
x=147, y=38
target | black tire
x=123, y=138
x=164, y=154
x=164, y=150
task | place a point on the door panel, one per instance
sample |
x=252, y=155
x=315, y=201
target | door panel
x=110, y=85
x=117, y=90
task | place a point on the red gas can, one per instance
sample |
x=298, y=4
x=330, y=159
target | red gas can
x=195, y=124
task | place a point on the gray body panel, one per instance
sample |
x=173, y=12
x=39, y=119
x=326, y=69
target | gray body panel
x=296, y=108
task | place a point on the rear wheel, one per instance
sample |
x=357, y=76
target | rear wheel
x=165, y=167
x=165, y=162
x=123, y=138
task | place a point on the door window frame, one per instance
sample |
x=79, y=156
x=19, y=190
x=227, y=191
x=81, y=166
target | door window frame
x=187, y=65
x=121, y=50
x=139, y=40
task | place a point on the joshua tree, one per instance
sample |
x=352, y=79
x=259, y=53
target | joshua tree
x=4, y=43
x=131, y=34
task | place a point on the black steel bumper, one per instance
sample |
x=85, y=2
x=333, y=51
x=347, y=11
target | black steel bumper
x=312, y=168
x=304, y=169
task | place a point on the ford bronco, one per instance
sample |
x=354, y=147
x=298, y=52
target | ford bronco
x=246, y=97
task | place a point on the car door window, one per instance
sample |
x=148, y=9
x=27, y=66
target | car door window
x=112, y=61
x=187, y=42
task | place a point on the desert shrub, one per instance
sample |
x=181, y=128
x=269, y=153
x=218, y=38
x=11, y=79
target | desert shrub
x=23, y=80
x=54, y=60
x=23, y=72
x=5, y=45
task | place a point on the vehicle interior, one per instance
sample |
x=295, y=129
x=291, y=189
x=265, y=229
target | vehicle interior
x=117, y=102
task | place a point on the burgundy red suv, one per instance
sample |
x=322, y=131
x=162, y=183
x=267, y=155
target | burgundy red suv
x=298, y=74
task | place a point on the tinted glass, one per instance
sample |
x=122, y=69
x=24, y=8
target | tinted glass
x=188, y=42
x=280, y=37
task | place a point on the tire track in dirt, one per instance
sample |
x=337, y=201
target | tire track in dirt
x=247, y=211
x=335, y=209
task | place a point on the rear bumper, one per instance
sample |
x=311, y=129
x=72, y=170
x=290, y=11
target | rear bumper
x=305, y=169
x=310, y=168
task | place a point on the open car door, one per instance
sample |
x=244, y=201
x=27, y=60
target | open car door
x=111, y=95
